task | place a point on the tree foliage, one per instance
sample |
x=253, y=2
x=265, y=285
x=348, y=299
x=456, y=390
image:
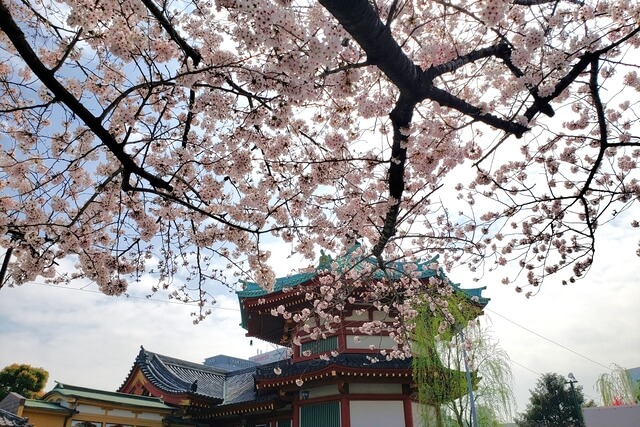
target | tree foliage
x=494, y=399
x=179, y=139
x=553, y=403
x=617, y=387
x=25, y=380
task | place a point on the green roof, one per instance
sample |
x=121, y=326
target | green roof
x=46, y=406
x=108, y=396
x=351, y=262
x=251, y=289
x=347, y=262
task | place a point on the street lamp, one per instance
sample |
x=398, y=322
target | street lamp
x=571, y=382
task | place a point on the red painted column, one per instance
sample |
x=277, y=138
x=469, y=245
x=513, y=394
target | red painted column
x=345, y=413
x=408, y=414
x=295, y=409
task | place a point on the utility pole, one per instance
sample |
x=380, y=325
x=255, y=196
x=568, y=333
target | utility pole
x=472, y=402
x=571, y=382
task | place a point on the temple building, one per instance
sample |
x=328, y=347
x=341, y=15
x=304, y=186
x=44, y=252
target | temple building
x=339, y=380
x=71, y=406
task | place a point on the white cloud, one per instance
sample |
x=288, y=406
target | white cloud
x=90, y=339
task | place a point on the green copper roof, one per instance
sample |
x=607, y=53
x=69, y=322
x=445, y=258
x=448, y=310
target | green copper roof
x=351, y=262
x=107, y=396
x=45, y=406
x=251, y=289
x=346, y=262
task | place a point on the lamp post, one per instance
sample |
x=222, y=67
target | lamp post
x=571, y=382
x=472, y=402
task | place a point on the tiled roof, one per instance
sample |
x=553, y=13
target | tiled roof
x=252, y=289
x=351, y=262
x=7, y=419
x=178, y=376
x=106, y=396
x=346, y=360
x=240, y=386
x=46, y=406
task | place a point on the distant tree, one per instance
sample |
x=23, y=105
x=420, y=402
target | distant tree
x=552, y=403
x=23, y=379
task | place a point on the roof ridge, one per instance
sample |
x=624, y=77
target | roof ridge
x=63, y=386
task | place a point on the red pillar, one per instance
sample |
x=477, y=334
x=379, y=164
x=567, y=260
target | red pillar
x=345, y=413
x=295, y=409
x=408, y=414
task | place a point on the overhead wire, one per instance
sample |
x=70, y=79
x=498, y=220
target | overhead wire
x=548, y=339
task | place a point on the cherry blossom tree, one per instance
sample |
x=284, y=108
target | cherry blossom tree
x=142, y=137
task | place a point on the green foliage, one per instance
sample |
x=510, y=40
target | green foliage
x=22, y=379
x=617, y=387
x=438, y=320
x=552, y=403
x=494, y=392
x=487, y=416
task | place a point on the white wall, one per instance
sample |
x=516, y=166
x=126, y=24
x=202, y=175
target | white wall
x=356, y=388
x=612, y=416
x=376, y=413
x=380, y=342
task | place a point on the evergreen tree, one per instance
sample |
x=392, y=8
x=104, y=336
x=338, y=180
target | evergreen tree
x=553, y=403
x=22, y=379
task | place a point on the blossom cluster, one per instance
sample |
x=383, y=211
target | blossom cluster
x=178, y=141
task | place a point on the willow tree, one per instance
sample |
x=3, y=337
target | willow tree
x=181, y=137
x=617, y=387
x=493, y=393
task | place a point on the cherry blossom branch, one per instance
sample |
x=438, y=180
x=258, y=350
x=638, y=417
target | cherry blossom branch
x=68, y=51
x=602, y=130
x=17, y=38
x=539, y=2
x=173, y=33
x=189, y=120
x=192, y=207
x=400, y=119
x=5, y=265
x=359, y=19
x=573, y=74
x=545, y=107
x=500, y=50
x=345, y=68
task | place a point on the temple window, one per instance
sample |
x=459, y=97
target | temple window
x=325, y=414
x=320, y=346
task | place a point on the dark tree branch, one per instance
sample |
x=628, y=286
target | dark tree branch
x=187, y=125
x=539, y=2
x=5, y=265
x=500, y=50
x=545, y=107
x=68, y=50
x=359, y=19
x=170, y=29
x=400, y=119
x=573, y=74
x=19, y=41
x=602, y=129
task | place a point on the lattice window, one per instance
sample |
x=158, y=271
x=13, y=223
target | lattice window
x=320, y=415
x=320, y=346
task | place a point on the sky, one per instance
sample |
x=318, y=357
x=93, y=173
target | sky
x=85, y=338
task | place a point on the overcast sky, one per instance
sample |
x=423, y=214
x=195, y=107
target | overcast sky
x=85, y=338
